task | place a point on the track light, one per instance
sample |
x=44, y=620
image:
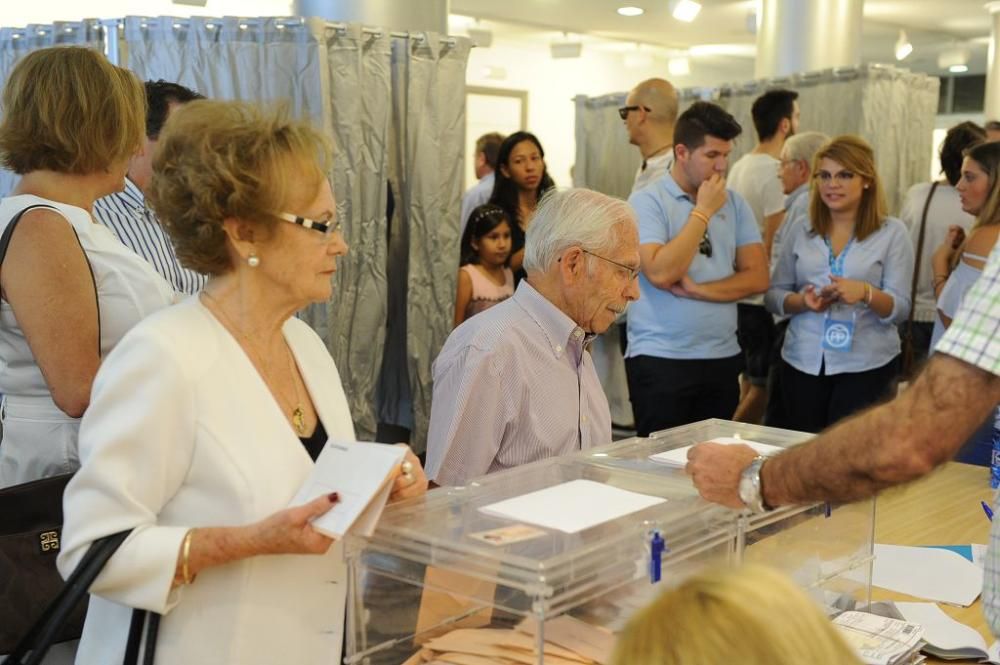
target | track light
x=684, y=10
x=903, y=46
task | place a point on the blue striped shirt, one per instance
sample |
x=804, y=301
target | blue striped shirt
x=128, y=217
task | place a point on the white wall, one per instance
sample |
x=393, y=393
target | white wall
x=18, y=14
x=552, y=84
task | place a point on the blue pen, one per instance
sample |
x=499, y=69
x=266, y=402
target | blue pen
x=987, y=509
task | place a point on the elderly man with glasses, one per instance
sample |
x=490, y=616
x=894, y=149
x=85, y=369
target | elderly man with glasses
x=701, y=252
x=515, y=384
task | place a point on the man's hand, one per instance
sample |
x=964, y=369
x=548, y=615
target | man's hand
x=711, y=195
x=715, y=469
x=686, y=288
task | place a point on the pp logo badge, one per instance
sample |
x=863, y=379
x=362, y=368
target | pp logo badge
x=838, y=335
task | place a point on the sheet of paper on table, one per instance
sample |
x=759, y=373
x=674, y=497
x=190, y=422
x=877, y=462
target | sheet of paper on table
x=361, y=473
x=946, y=638
x=927, y=572
x=572, y=506
x=678, y=457
x=880, y=640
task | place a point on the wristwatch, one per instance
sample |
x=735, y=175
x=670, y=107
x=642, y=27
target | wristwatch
x=750, y=489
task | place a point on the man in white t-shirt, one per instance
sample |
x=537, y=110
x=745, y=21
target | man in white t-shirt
x=649, y=115
x=755, y=177
x=487, y=149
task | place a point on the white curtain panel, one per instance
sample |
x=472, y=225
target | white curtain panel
x=16, y=42
x=428, y=73
x=891, y=108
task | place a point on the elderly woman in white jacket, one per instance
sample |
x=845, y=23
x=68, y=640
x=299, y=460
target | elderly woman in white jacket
x=206, y=419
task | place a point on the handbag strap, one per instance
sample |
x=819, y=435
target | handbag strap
x=920, y=253
x=5, y=242
x=40, y=637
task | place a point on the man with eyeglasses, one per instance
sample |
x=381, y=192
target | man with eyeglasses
x=649, y=115
x=515, y=383
x=701, y=251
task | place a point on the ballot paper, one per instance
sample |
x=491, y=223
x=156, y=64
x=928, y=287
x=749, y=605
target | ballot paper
x=572, y=506
x=361, y=474
x=880, y=640
x=592, y=642
x=946, y=638
x=678, y=457
x=927, y=572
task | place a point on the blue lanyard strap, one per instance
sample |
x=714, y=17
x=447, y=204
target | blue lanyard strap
x=837, y=262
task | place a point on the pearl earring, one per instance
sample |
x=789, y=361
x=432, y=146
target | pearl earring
x=253, y=260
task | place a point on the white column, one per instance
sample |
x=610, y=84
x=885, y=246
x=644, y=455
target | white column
x=991, y=104
x=808, y=35
x=403, y=15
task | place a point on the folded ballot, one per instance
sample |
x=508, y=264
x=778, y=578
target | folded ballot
x=361, y=474
x=946, y=638
x=678, y=457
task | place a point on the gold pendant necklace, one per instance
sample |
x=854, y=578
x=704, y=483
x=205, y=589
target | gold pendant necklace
x=298, y=413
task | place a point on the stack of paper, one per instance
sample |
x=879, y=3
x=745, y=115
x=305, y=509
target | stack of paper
x=927, y=572
x=572, y=506
x=361, y=474
x=880, y=640
x=678, y=457
x=568, y=641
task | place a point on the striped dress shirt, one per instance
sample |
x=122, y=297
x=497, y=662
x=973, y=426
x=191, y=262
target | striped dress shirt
x=512, y=385
x=126, y=214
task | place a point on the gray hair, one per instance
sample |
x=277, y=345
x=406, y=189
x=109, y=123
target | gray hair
x=804, y=146
x=572, y=218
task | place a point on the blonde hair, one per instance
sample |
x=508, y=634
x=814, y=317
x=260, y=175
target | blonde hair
x=67, y=109
x=750, y=615
x=229, y=160
x=855, y=155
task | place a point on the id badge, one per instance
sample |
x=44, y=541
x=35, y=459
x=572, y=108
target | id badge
x=838, y=334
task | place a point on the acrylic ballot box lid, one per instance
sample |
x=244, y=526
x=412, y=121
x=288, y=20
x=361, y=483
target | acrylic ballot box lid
x=557, y=569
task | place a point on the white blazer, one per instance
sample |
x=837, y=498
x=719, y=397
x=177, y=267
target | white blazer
x=182, y=432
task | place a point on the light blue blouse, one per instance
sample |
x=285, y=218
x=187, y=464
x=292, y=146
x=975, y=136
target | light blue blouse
x=884, y=260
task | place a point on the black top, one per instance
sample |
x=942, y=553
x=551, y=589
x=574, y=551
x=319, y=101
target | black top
x=314, y=443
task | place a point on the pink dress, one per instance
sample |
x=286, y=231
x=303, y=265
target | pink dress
x=485, y=293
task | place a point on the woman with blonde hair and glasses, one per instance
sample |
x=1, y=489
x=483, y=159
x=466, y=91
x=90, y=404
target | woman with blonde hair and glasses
x=844, y=279
x=749, y=615
x=206, y=419
x=71, y=290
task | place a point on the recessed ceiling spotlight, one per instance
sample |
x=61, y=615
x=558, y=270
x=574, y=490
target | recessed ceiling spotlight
x=958, y=69
x=631, y=11
x=685, y=10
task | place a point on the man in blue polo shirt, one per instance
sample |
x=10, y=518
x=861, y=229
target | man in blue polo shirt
x=701, y=251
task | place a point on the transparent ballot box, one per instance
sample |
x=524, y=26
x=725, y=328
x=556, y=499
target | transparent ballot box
x=550, y=579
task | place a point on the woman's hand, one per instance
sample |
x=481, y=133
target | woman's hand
x=814, y=301
x=290, y=531
x=944, y=254
x=409, y=482
x=847, y=291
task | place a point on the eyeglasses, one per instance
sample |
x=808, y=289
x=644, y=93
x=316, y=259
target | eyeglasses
x=629, y=270
x=625, y=110
x=705, y=246
x=326, y=228
x=843, y=177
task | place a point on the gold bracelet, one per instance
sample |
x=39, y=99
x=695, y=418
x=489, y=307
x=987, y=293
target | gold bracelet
x=697, y=214
x=868, y=294
x=185, y=556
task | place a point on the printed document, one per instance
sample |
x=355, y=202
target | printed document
x=678, y=457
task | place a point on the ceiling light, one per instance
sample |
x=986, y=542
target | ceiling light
x=903, y=46
x=679, y=66
x=685, y=10
x=631, y=11
x=954, y=57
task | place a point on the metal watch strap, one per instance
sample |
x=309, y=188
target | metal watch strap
x=751, y=492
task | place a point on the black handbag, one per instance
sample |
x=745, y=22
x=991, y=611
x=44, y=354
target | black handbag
x=31, y=649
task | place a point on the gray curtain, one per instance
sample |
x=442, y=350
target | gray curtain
x=428, y=74
x=893, y=109
x=339, y=78
x=16, y=42
x=605, y=160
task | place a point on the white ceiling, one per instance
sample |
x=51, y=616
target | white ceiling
x=931, y=25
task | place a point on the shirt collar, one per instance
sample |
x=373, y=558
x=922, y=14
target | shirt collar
x=673, y=188
x=133, y=194
x=796, y=193
x=560, y=331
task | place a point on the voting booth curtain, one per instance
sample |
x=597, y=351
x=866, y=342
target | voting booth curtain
x=891, y=108
x=394, y=105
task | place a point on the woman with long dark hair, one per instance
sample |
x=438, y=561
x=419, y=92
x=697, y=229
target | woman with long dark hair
x=521, y=180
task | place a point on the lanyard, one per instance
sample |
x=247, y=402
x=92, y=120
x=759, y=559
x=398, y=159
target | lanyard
x=837, y=262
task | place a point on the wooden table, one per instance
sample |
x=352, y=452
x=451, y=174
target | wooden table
x=941, y=509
